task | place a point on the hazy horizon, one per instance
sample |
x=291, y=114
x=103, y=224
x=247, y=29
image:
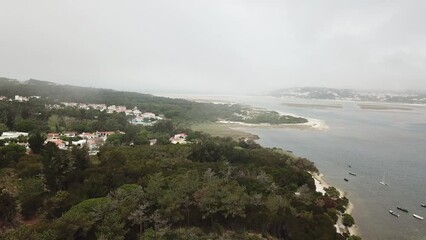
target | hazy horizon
x=216, y=47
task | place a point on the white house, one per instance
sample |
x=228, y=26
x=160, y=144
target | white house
x=148, y=115
x=21, y=98
x=179, y=138
x=13, y=135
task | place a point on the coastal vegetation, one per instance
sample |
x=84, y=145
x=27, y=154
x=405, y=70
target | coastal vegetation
x=270, y=117
x=208, y=188
x=213, y=188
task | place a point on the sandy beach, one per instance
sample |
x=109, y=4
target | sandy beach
x=320, y=184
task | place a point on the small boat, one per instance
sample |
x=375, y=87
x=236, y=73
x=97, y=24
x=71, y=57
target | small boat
x=423, y=205
x=349, y=166
x=402, y=209
x=352, y=173
x=418, y=217
x=394, y=213
x=346, y=179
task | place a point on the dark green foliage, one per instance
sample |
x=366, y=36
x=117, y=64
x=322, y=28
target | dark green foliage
x=10, y=154
x=163, y=126
x=80, y=157
x=29, y=166
x=348, y=220
x=31, y=196
x=63, y=168
x=3, y=128
x=155, y=191
x=36, y=141
x=332, y=192
x=8, y=207
x=115, y=139
x=24, y=125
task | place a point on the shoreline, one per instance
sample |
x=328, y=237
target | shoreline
x=320, y=184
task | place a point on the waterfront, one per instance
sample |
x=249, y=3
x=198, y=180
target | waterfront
x=375, y=143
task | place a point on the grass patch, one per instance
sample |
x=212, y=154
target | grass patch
x=222, y=130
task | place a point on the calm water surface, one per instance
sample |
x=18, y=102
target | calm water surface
x=377, y=144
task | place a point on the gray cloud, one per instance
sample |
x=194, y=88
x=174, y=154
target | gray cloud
x=216, y=46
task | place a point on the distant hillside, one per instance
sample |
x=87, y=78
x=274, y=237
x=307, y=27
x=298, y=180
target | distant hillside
x=68, y=93
x=348, y=94
x=178, y=109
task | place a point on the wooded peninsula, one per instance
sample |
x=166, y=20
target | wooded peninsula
x=72, y=167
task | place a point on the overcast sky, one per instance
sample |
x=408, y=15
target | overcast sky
x=216, y=46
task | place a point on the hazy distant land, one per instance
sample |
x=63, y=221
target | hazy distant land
x=350, y=95
x=303, y=105
x=382, y=107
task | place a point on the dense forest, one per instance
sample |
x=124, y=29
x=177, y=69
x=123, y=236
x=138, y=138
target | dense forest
x=210, y=188
x=213, y=188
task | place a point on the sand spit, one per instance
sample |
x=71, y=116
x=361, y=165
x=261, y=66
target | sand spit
x=312, y=124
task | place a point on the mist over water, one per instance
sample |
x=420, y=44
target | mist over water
x=376, y=144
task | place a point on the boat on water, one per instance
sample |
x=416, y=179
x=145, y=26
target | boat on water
x=423, y=205
x=383, y=183
x=349, y=166
x=352, y=173
x=394, y=213
x=418, y=217
x=347, y=180
x=402, y=209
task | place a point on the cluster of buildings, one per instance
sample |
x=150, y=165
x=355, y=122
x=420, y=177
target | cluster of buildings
x=86, y=106
x=18, y=98
x=92, y=140
x=12, y=135
x=145, y=119
x=137, y=117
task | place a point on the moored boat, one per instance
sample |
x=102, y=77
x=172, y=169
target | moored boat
x=347, y=180
x=418, y=217
x=423, y=205
x=352, y=173
x=402, y=209
x=394, y=213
